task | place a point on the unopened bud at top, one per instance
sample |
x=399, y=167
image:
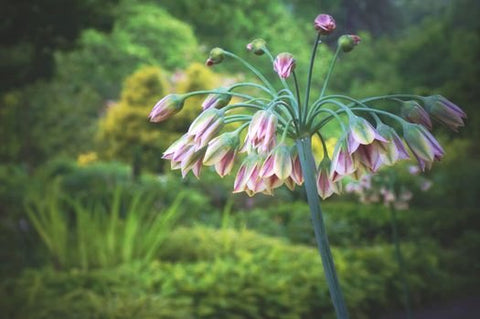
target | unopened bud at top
x=348, y=41
x=257, y=46
x=216, y=56
x=324, y=24
x=284, y=64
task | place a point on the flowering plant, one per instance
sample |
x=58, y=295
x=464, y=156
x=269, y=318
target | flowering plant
x=280, y=123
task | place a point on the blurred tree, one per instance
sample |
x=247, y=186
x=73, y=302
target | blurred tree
x=143, y=34
x=125, y=133
x=30, y=32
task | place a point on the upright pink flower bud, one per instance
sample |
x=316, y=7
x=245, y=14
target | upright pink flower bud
x=445, y=112
x=324, y=24
x=166, y=107
x=221, y=152
x=348, y=41
x=257, y=46
x=284, y=64
x=325, y=185
x=205, y=126
x=261, y=133
x=424, y=146
x=217, y=100
x=414, y=113
x=216, y=56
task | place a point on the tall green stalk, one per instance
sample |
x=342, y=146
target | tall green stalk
x=304, y=146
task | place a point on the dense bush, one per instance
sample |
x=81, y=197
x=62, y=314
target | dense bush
x=207, y=273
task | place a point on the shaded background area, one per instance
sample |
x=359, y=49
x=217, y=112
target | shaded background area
x=93, y=223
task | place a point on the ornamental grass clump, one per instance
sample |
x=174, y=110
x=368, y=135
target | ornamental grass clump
x=277, y=124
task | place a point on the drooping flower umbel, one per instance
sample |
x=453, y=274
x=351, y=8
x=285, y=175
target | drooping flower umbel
x=276, y=126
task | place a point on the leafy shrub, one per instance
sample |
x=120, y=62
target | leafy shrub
x=208, y=273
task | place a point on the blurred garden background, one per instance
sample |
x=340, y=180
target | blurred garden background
x=93, y=224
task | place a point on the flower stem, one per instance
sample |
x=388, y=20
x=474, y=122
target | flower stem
x=304, y=146
x=310, y=71
x=401, y=264
x=330, y=69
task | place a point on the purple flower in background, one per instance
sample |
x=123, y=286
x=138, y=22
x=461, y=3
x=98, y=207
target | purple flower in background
x=324, y=24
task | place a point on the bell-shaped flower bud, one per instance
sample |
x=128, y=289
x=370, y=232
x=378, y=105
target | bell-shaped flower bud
x=221, y=152
x=257, y=46
x=247, y=179
x=423, y=145
x=284, y=64
x=394, y=150
x=166, y=107
x=361, y=133
x=325, y=185
x=217, y=100
x=192, y=160
x=348, y=41
x=261, y=133
x=278, y=163
x=414, y=113
x=205, y=126
x=445, y=112
x=342, y=162
x=324, y=24
x=216, y=56
x=297, y=174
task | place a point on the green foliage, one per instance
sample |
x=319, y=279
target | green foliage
x=227, y=274
x=143, y=34
x=100, y=236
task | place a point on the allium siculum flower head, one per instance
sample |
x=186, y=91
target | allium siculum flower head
x=221, y=152
x=261, y=133
x=445, y=112
x=324, y=24
x=423, y=145
x=217, y=100
x=394, y=150
x=278, y=163
x=325, y=185
x=348, y=41
x=284, y=64
x=414, y=113
x=166, y=107
x=216, y=56
x=205, y=126
x=257, y=46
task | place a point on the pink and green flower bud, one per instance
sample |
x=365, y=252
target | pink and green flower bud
x=394, y=150
x=297, y=174
x=192, y=161
x=348, y=41
x=324, y=24
x=361, y=132
x=445, y=112
x=325, y=185
x=261, y=133
x=414, y=113
x=278, y=163
x=423, y=145
x=284, y=64
x=217, y=55
x=166, y=107
x=217, y=100
x=205, y=126
x=247, y=179
x=257, y=46
x=221, y=152
x=342, y=162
